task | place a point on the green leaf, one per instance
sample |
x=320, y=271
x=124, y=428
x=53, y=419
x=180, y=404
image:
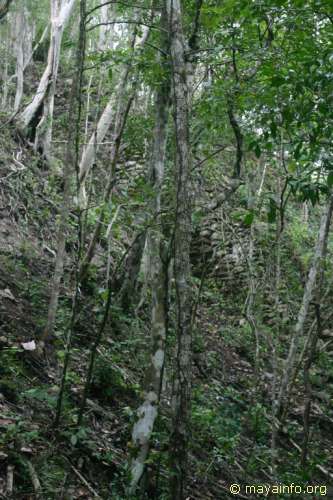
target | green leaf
x=277, y=81
x=257, y=151
x=287, y=115
x=271, y=214
x=330, y=179
x=292, y=166
x=313, y=195
x=248, y=219
x=273, y=128
x=298, y=151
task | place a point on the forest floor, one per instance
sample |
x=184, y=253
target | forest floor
x=230, y=421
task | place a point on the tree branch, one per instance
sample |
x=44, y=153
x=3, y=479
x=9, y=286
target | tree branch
x=125, y=21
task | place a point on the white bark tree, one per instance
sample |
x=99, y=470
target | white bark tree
x=148, y=410
x=105, y=40
x=106, y=119
x=23, y=48
x=38, y=114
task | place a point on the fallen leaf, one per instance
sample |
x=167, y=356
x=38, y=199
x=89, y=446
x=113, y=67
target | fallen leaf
x=29, y=346
x=25, y=449
x=7, y=294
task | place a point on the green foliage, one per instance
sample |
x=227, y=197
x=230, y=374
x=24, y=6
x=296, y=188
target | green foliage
x=11, y=369
x=258, y=421
x=109, y=382
x=269, y=61
x=46, y=395
x=208, y=421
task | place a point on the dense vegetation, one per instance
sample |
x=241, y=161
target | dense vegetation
x=166, y=259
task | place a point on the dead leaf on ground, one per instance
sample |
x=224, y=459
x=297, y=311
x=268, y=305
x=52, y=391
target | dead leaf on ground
x=7, y=294
x=29, y=346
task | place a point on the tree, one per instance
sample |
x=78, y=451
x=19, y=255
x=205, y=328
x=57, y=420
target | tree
x=309, y=288
x=108, y=115
x=35, y=120
x=148, y=410
x=181, y=390
x=23, y=49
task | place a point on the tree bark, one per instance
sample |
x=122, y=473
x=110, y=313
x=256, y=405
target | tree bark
x=132, y=268
x=181, y=391
x=105, y=32
x=19, y=36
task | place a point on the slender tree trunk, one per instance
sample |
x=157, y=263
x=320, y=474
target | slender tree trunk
x=105, y=32
x=181, y=391
x=28, y=51
x=19, y=37
x=307, y=297
x=64, y=215
x=5, y=67
x=307, y=383
x=120, y=122
x=105, y=121
x=35, y=121
x=73, y=147
x=273, y=339
x=238, y=136
x=252, y=278
x=312, y=340
x=132, y=266
x=148, y=410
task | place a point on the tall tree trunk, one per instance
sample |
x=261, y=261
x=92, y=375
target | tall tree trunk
x=73, y=147
x=148, y=410
x=35, y=121
x=19, y=37
x=307, y=297
x=27, y=51
x=22, y=36
x=181, y=391
x=105, y=32
x=68, y=174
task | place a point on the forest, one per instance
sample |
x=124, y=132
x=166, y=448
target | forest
x=166, y=284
